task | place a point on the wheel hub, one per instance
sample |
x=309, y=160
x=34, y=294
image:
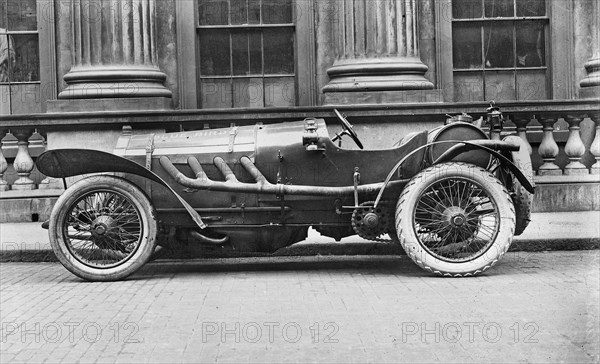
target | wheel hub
x=101, y=226
x=458, y=220
x=454, y=216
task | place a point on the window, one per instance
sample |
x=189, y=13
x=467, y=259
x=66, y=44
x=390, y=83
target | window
x=246, y=53
x=19, y=57
x=499, y=50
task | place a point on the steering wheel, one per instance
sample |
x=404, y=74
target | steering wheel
x=348, y=130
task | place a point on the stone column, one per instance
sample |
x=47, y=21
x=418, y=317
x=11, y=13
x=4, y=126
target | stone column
x=113, y=51
x=591, y=83
x=377, y=48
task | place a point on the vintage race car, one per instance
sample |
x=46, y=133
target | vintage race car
x=453, y=197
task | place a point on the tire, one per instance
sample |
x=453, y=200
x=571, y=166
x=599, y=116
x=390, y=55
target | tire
x=103, y=228
x=522, y=199
x=449, y=233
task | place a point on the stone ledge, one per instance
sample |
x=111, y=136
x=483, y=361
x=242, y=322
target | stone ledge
x=383, y=97
x=566, y=178
x=110, y=104
x=43, y=193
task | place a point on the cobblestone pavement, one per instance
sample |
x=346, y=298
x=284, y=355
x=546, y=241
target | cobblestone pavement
x=532, y=307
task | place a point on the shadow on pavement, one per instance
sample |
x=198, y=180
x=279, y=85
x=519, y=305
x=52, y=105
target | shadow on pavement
x=343, y=264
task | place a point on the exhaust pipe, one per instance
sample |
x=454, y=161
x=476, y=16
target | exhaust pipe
x=261, y=184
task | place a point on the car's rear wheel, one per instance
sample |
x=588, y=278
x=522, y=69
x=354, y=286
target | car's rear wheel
x=455, y=219
x=103, y=228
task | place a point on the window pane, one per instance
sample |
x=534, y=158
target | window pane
x=248, y=92
x=2, y=16
x=239, y=12
x=463, y=9
x=254, y=11
x=531, y=7
x=468, y=86
x=466, y=46
x=277, y=11
x=280, y=91
x=279, y=51
x=531, y=85
x=530, y=44
x=214, y=52
x=22, y=14
x=499, y=8
x=4, y=99
x=239, y=57
x=7, y=56
x=213, y=12
x=215, y=93
x=25, y=99
x=255, y=53
x=498, y=49
x=26, y=64
x=500, y=85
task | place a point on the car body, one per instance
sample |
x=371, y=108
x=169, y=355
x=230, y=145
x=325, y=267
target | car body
x=260, y=187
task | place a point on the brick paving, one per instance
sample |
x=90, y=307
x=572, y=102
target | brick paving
x=532, y=307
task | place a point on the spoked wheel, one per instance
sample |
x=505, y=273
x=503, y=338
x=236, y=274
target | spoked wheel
x=103, y=228
x=455, y=219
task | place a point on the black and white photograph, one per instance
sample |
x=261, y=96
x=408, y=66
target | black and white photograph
x=299, y=181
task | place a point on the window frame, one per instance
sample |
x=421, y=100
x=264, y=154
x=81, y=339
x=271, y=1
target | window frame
x=559, y=67
x=188, y=57
x=47, y=55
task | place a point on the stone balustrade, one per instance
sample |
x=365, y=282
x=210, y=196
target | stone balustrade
x=18, y=149
x=560, y=148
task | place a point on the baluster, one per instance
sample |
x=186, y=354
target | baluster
x=574, y=149
x=47, y=181
x=521, y=123
x=23, y=163
x=548, y=149
x=3, y=165
x=595, y=147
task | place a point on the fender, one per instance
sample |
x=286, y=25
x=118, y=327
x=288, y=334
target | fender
x=465, y=146
x=487, y=145
x=62, y=163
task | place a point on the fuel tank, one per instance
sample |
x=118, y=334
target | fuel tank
x=458, y=131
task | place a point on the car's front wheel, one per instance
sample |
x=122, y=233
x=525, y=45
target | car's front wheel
x=455, y=219
x=103, y=228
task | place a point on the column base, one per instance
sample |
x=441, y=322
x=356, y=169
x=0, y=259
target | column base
x=592, y=66
x=109, y=104
x=592, y=92
x=383, y=97
x=377, y=74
